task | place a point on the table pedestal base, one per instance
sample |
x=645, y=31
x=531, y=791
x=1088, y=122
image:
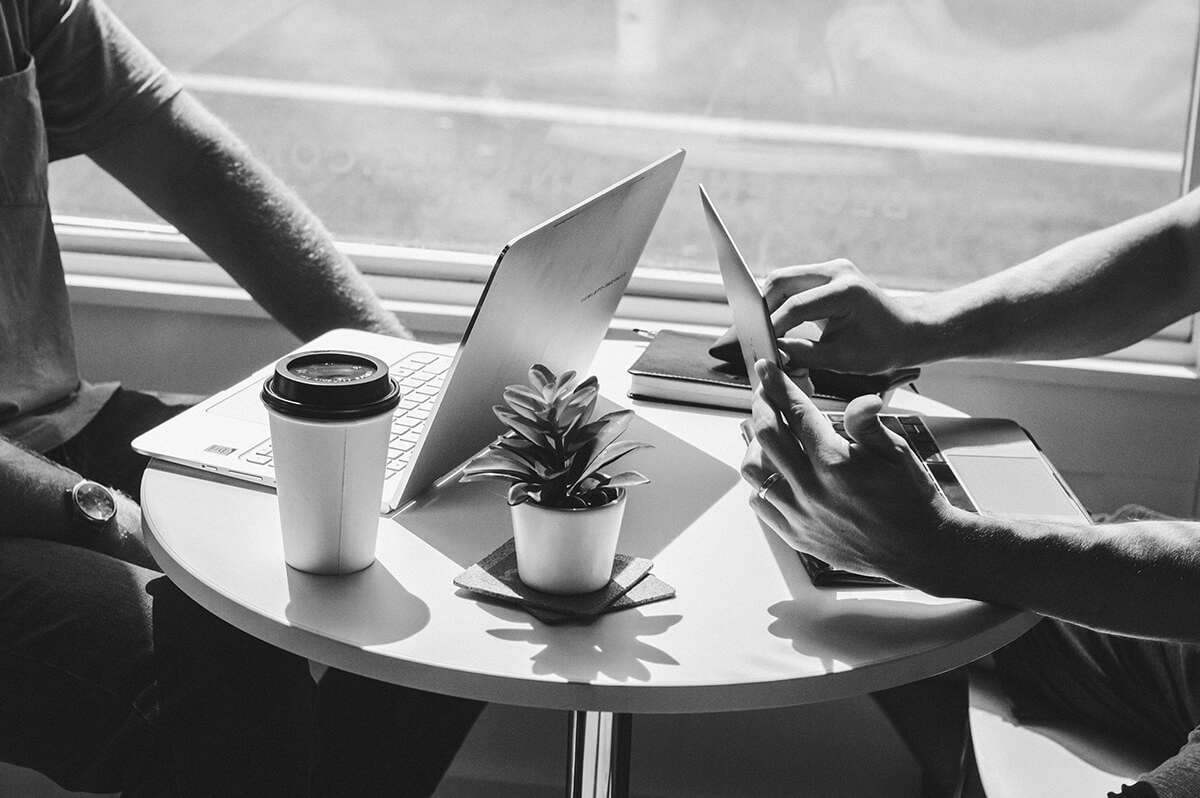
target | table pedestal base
x=598, y=765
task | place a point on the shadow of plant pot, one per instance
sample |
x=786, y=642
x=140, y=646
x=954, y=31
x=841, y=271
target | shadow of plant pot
x=567, y=551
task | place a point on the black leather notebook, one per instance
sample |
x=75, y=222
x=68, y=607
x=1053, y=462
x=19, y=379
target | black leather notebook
x=822, y=574
x=677, y=367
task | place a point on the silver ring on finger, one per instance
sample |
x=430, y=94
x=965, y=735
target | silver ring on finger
x=768, y=483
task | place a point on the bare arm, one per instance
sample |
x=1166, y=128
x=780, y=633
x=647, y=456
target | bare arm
x=868, y=507
x=33, y=495
x=186, y=166
x=1138, y=579
x=1091, y=295
x=191, y=170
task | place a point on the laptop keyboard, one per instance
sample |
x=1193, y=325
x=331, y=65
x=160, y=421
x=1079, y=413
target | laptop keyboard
x=420, y=376
x=914, y=430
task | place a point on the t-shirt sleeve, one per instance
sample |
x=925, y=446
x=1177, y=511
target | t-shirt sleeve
x=94, y=77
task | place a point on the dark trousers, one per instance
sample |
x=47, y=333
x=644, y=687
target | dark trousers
x=111, y=679
x=1141, y=691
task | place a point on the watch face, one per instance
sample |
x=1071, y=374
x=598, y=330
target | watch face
x=95, y=502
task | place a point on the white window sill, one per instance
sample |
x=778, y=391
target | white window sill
x=1108, y=373
x=431, y=304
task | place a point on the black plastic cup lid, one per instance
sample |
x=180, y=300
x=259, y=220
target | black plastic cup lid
x=330, y=384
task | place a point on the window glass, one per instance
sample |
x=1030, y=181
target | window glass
x=931, y=141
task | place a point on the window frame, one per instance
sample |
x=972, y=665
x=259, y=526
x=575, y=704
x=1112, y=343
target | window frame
x=436, y=290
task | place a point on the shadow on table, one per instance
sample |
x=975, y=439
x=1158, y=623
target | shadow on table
x=467, y=520
x=853, y=625
x=609, y=647
x=367, y=608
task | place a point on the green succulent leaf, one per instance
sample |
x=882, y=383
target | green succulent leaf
x=578, y=406
x=613, y=452
x=533, y=397
x=554, y=451
x=576, y=473
x=488, y=476
x=522, y=448
x=564, y=380
x=541, y=378
x=522, y=492
x=627, y=479
x=579, y=422
x=610, y=425
x=498, y=466
x=522, y=427
x=622, y=417
x=592, y=438
x=591, y=483
x=497, y=458
x=599, y=497
x=523, y=406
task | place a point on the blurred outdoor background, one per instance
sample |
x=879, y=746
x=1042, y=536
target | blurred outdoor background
x=930, y=141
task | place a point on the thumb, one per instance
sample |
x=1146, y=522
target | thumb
x=864, y=428
x=726, y=347
x=809, y=354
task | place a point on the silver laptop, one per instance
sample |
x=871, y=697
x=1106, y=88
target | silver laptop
x=549, y=299
x=984, y=465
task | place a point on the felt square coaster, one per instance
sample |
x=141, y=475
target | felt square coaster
x=648, y=589
x=496, y=576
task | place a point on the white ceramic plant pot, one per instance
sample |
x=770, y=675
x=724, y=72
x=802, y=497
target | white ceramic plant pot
x=567, y=551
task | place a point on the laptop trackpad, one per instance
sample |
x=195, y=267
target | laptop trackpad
x=244, y=404
x=1020, y=486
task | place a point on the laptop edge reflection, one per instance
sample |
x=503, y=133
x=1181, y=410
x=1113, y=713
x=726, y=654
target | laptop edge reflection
x=549, y=299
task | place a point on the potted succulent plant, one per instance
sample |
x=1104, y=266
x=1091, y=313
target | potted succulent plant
x=566, y=507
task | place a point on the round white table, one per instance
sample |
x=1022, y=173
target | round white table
x=746, y=629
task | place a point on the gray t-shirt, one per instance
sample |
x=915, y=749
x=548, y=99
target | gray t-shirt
x=71, y=79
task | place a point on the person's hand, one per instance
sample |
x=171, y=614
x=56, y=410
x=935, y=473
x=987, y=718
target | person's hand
x=865, y=506
x=865, y=330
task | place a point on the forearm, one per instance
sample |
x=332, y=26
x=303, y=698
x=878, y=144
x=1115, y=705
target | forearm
x=1140, y=579
x=1091, y=295
x=33, y=493
x=192, y=171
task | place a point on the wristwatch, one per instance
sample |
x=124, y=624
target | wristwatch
x=92, y=502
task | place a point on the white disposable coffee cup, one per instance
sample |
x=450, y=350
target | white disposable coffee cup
x=330, y=414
